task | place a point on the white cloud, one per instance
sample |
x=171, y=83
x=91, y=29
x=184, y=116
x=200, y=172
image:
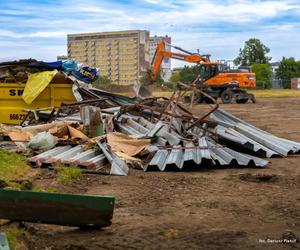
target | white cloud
x=40, y=34
x=14, y=12
x=203, y=12
x=216, y=27
x=45, y=52
x=15, y=44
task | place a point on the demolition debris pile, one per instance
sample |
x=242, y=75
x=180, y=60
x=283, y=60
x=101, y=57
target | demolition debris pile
x=105, y=133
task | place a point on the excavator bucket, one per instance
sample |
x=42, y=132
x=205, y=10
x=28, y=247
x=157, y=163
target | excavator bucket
x=143, y=88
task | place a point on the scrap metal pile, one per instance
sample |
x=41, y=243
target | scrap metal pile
x=105, y=133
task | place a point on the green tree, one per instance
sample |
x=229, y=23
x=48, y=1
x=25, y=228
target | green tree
x=159, y=80
x=263, y=74
x=102, y=80
x=254, y=51
x=287, y=69
x=175, y=77
x=188, y=74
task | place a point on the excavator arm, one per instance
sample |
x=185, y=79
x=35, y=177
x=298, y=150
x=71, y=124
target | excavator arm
x=162, y=53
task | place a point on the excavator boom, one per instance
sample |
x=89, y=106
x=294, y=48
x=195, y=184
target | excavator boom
x=162, y=53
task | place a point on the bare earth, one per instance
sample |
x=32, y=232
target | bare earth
x=205, y=209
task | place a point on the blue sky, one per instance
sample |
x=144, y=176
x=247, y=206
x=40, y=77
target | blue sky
x=38, y=28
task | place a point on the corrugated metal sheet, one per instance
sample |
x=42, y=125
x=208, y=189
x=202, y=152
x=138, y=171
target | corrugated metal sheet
x=115, y=98
x=206, y=154
x=73, y=156
x=233, y=136
x=96, y=159
x=240, y=132
x=141, y=127
x=42, y=159
x=118, y=166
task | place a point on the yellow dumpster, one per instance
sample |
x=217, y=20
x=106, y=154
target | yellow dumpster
x=12, y=104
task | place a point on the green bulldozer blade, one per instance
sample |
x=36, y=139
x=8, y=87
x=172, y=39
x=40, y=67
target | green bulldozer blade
x=57, y=208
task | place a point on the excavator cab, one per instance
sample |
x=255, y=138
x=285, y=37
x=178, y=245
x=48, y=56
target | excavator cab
x=207, y=71
x=217, y=80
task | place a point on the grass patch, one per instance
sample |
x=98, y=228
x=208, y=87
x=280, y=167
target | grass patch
x=12, y=165
x=68, y=175
x=163, y=93
x=42, y=189
x=266, y=93
x=13, y=235
x=259, y=93
x=167, y=93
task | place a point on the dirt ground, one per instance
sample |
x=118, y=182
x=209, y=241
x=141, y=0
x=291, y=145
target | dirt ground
x=206, y=209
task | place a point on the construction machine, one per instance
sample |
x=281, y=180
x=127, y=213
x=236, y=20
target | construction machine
x=215, y=78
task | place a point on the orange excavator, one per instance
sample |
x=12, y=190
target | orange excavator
x=215, y=78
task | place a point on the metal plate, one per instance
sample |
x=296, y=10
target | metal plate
x=57, y=208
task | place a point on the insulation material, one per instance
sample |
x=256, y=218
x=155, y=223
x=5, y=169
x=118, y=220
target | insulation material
x=53, y=127
x=42, y=141
x=123, y=143
x=75, y=133
x=19, y=136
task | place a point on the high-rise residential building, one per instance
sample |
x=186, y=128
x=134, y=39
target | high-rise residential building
x=166, y=63
x=122, y=56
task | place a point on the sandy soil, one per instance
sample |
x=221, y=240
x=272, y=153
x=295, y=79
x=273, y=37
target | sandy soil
x=205, y=209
